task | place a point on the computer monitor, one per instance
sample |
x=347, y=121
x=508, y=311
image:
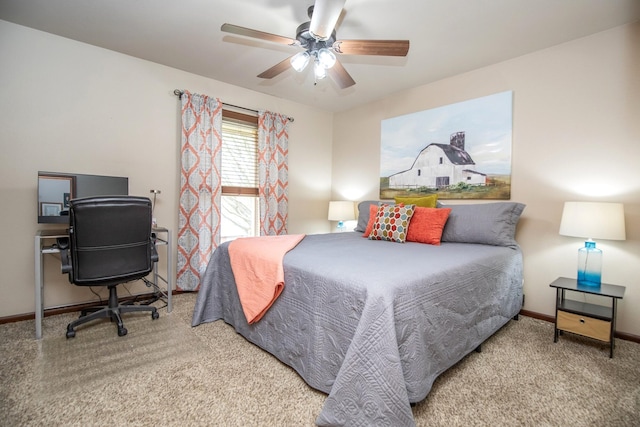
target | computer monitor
x=56, y=189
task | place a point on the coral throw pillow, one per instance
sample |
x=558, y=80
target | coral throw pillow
x=427, y=225
x=373, y=210
x=392, y=223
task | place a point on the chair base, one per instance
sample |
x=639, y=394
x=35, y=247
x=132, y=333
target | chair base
x=112, y=311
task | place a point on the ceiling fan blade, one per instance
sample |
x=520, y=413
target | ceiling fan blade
x=372, y=47
x=248, y=32
x=324, y=18
x=341, y=76
x=279, y=68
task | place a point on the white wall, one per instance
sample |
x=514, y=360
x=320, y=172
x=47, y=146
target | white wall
x=68, y=106
x=576, y=136
x=72, y=107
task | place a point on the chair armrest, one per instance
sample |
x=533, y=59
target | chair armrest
x=65, y=259
x=154, y=250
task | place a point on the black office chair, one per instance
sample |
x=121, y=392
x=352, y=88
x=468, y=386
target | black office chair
x=109, y=243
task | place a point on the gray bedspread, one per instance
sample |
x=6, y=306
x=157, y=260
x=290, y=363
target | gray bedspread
x=373, y=323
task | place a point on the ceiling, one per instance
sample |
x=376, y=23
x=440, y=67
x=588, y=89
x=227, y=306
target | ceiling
x=448, y=37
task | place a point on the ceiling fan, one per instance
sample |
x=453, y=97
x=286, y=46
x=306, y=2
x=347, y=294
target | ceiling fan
x=318, y=39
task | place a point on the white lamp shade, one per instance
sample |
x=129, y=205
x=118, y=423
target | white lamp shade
x=593, y=220
x=342, y=211
x=300, y=60
x=319, y=71
x=326, y=58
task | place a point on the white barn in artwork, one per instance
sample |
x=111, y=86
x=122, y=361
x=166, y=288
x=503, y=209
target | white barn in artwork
x=440, y=166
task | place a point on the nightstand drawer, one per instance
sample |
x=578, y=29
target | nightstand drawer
x=584, y=325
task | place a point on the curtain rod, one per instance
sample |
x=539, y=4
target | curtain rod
x=178, y=93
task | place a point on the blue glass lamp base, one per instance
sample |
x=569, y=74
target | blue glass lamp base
x=590, y=265
x=589, y=281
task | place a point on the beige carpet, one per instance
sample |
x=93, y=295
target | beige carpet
x=166, y=373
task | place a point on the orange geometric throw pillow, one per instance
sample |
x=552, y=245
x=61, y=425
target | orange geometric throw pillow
x=427, y=225
x=392, y=223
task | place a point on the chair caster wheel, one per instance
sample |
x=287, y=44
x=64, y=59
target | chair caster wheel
x=71, y=334
x=122, y=332
x=155, y=315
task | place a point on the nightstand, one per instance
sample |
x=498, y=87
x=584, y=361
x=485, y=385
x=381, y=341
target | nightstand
x=591, y=320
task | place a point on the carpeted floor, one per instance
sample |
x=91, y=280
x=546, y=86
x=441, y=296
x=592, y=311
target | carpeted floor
x=165, y=372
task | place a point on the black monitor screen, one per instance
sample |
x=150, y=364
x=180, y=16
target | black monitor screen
x=56, y=189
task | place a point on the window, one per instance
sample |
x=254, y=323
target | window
x=442, y=181
x=240, y=206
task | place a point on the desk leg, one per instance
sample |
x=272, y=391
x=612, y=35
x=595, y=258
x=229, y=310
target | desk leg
x=170, y=274
x=39, y=279
x=169, y=277
x=155, y=277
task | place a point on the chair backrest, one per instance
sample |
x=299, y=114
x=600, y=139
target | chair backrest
x=110, y=239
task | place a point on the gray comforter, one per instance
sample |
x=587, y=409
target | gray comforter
x=373, y=323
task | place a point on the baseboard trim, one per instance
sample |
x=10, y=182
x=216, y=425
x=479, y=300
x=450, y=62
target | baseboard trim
x=622, y=335
x=76, y=307
x=538, y=316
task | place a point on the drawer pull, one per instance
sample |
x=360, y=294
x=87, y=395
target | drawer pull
x=581, y=320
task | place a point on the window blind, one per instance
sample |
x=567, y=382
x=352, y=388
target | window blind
x=239, y=157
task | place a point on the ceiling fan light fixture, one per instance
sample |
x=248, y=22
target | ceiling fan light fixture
x=320, y=44
x=300, y=60
x=319, y=70
x=326, y=58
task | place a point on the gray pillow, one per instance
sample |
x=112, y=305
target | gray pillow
x=363, y=214
x=486, y=223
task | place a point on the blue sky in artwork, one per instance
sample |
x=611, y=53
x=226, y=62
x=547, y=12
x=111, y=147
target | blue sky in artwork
x=486, y=121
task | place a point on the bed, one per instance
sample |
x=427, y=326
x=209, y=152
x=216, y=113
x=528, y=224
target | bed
x=373, y=323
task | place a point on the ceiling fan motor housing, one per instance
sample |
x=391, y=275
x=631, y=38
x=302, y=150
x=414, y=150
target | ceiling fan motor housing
x=309, y=42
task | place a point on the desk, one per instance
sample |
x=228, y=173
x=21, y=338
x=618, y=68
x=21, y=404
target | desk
x=44, y=241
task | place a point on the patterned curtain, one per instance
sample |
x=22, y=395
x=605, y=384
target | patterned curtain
x=273, y=172
x=200, y=187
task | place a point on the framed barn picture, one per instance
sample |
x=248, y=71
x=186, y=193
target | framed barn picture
x=459, y=151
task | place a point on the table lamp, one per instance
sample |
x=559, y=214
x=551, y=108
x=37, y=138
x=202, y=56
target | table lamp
x=341, y=211
x=592, y=220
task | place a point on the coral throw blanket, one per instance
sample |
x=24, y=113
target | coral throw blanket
x=257, y=267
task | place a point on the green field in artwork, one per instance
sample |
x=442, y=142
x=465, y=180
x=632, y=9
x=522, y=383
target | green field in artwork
x=498, y=187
